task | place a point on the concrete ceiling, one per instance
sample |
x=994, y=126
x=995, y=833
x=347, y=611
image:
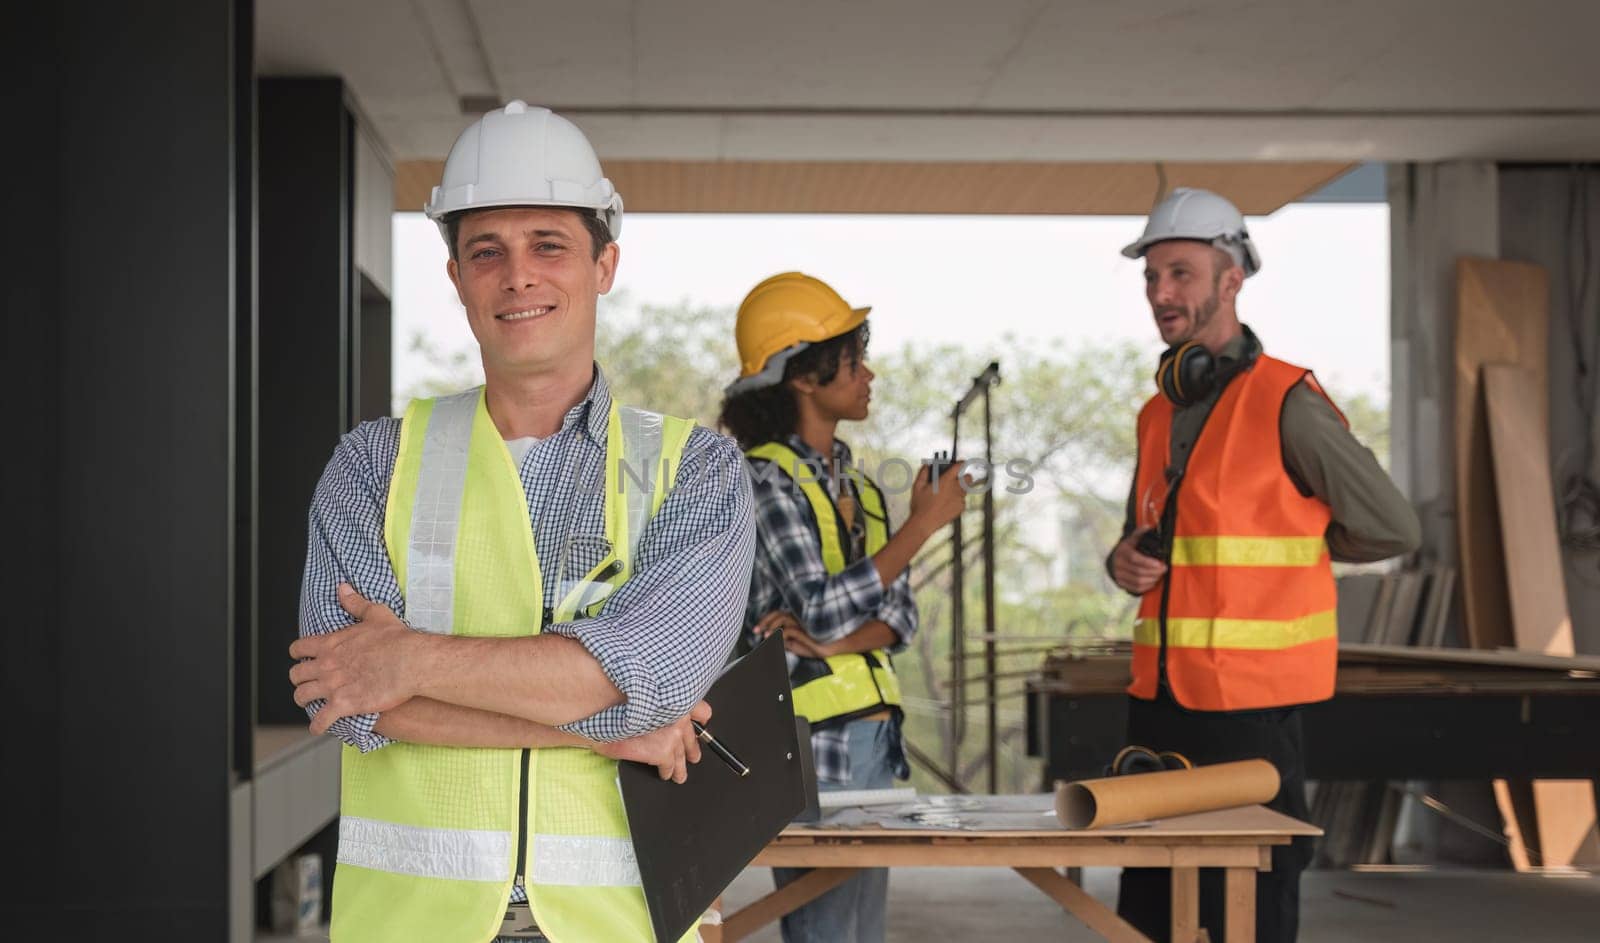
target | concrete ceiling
x=953, y=80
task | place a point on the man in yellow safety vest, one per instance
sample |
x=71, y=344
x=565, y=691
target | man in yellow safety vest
x=570, y=573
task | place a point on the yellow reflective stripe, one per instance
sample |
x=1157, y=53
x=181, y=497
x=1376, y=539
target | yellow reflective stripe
x=877, y=513
x=851, y=686
x=584, y=861
x=1247, y=551
x=790, y=463
x=454, y=854
x=1260, y=634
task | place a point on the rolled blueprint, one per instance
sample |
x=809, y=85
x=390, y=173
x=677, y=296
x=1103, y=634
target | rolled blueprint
x=1118, y=800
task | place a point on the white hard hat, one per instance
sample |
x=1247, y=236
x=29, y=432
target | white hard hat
x=1188, y=213
x=523, y=156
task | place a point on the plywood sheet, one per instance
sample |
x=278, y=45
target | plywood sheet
x=1513, y=592
x=1563, y=831
x=1502, y=316
x=1519, y=443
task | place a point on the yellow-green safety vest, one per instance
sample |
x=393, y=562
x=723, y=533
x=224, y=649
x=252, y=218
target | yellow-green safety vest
x=432, y=837
x=855, y=685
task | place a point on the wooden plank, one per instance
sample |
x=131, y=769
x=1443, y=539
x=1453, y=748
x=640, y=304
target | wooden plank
x=1239, y=888
x=1436, y=608
x=1401, y=619
x=783, y=900
x=1565, y=812
x=1520, y=446
x=1240, y=822
x=1200, y=856
x=1076, y=901
x=936, y=856
x=1504, y=658
x=1502, y=316
x=1185, y=905
x=985, y=187
x=1514, y=797
x=1516, y=399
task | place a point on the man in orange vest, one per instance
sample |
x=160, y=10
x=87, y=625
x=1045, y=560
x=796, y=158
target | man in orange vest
x=1248, y=484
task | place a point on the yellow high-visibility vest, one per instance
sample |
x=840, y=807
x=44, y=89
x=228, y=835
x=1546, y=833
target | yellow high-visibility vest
x=431, y=838
x=855, y=685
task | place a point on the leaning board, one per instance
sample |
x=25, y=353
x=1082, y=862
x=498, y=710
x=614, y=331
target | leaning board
x=1520, y=445
x=1564, y=812
x=1502, y=316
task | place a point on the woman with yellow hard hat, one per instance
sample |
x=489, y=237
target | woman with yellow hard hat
x=830, y=574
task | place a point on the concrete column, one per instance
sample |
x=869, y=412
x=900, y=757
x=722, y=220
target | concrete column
x=1437, y=213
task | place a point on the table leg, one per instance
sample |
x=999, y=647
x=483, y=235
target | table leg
x=784, y=900
x=1185, y=905
x=1240, y=890
x=712, y=933
x=1076, y=901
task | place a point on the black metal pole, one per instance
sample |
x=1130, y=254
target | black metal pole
x=958, y=622
x=958, y=609
x=989, y=662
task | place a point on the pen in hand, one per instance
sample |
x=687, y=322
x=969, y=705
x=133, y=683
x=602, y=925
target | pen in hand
x=721, y=751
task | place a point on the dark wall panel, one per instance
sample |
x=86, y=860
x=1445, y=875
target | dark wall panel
x=306, y=343
x=29, y=492
x=146, y=257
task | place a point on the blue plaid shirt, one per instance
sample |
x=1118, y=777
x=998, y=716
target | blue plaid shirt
x=789, y=574
x=661, y=639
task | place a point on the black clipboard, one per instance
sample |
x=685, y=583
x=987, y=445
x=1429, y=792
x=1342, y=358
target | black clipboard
x=692, y=840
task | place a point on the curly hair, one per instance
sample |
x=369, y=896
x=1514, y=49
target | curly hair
x=771, y=414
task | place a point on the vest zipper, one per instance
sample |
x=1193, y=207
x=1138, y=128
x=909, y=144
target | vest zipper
x=1170, y=513
x=522, y=824
x=522, y=801
x=1161, y=656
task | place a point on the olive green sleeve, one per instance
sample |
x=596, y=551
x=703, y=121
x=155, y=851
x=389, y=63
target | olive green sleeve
x=1372, y=520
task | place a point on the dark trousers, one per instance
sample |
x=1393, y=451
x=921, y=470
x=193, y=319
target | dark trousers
x=1145, y=897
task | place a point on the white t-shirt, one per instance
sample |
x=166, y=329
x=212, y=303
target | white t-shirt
x=520, y=448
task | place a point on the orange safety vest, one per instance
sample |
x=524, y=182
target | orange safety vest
x=1245, y=615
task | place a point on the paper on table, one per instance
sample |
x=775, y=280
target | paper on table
x=1118, y=800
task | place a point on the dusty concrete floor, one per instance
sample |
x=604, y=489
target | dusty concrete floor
x=933, y=905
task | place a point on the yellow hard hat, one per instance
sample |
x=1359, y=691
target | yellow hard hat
x=782, y=315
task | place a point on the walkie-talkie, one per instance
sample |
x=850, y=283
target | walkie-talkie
x=1153, y=542
x=1151, y=545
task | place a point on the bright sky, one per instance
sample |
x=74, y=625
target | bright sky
x=1321, y=299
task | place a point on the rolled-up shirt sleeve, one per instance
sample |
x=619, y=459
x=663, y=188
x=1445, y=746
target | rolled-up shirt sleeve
x=899, y=611
x=345, y=544
x=665, y=634
x=830, y=607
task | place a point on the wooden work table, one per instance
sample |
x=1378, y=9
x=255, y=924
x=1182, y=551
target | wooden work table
x=1238, y=840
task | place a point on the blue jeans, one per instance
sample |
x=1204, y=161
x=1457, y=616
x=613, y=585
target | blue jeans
x=853, y=912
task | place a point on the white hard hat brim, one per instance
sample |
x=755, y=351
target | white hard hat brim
x=611, y=214
x=1138, y=248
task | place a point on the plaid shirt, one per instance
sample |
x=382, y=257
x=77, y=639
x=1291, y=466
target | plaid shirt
x=662, y=637
x=789, y=574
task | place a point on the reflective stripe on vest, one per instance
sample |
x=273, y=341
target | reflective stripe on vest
x=428, y=834
x=855, y=685
x=1246, y=611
